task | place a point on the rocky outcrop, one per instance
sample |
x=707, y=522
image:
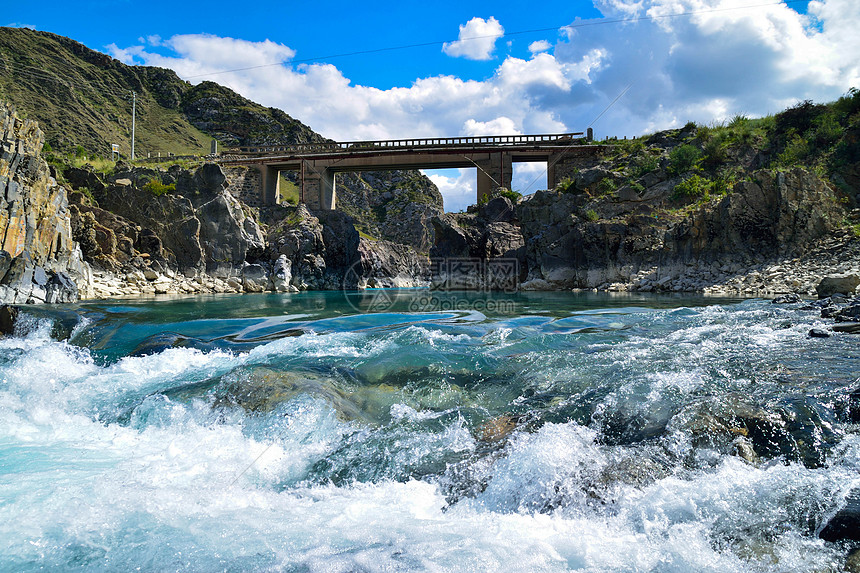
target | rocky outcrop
x=179, y=219
x=774, y=216
x=396, y=206
x=484, y=249
x=39, y=261
x=644, y=239
x=325, y=251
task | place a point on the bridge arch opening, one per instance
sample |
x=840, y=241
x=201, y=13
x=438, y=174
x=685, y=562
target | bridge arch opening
x=529, y=177
x=457, y=186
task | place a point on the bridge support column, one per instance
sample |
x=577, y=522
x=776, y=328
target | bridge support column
x=318, y=187
x=270, y=178
x=553, y=166
x=494, y=173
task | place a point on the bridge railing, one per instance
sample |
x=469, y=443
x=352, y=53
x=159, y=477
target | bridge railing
x=410, y=144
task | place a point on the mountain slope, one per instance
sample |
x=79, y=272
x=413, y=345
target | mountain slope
x=83, y=97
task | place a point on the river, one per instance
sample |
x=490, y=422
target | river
x=411, y=431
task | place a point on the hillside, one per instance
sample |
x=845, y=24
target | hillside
x=83, y=98
x=82, y=101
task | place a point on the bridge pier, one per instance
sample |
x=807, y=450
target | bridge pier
x=552, y=168
x=494, y=173
x=318, y=187
x=271, y=183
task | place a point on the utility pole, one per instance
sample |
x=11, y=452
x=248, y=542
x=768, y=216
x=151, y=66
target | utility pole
x=133, y=110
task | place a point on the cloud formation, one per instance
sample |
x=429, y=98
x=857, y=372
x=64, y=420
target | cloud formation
x=477, y=39
x=718, y=59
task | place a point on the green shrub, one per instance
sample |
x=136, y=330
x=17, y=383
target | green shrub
x=591, y=215
x=795, y=151
x=80, y=151
x=849, y=104
x=692, y=187
x=725, y=181
x=606, y=186
x=683, y=159
x=566, y=185
x=826, y=129
x=714, y=153
x=514, y=196
x=644, y=164
x=158, y=188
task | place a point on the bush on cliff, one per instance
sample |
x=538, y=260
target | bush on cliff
x=693, y=187
x=683, y=159
x=158, y=188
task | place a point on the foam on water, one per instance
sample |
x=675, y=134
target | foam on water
x=105, y=467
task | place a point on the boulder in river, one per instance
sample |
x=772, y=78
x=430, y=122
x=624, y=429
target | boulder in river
x=834, y=284
x=846, y=523
x=8, y=316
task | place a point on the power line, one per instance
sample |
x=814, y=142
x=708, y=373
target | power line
x=504, y=35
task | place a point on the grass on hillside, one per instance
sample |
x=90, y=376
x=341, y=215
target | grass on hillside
x=289, y=192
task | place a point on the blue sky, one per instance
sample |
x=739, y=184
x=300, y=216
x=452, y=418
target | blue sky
x=545, y=67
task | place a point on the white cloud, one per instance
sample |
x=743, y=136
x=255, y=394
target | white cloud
x=498, y=126
x=458, y=190
x=477, y=39
x=539, y=46
x=126, y=55
x=723, y=60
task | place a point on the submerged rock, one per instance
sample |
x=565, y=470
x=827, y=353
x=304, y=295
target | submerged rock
x=847, y=327
x=846, y=523
x=264, y=389
x=498, y=429
x=790, y=298
x=8, y=316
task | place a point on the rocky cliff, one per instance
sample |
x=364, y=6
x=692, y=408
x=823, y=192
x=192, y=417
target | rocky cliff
x=39, y=260
x=774, y=216
x=154, y=231
x=654, y=215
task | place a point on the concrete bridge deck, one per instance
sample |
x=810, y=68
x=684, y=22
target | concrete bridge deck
x=492, y=156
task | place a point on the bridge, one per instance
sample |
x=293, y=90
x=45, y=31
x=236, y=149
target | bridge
x=492, y=156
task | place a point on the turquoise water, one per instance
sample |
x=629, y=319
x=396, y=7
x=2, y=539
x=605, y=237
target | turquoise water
x=389, y=431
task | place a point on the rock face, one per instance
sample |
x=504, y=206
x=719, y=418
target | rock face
x=481, y=250
x=623, y=240
x=396, y=206
x=325, y=251
x=195, y=227
x=774, y=216
x=39, y=259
